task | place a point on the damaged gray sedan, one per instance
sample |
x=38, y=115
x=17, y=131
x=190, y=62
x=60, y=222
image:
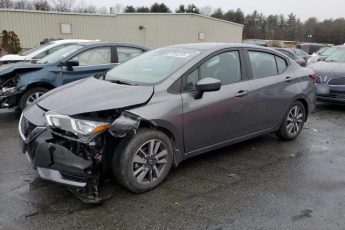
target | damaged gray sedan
x=158, y=109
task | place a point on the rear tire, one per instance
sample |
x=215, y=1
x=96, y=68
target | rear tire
x=142, y=161
x=31, y=95
x=293, y=121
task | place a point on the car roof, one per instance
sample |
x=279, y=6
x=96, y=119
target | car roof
x=207, y=46
x=95, y=44
x=64, y=41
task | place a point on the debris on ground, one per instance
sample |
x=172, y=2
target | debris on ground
x=31, y=215
x=296, y=154
x=313, y=129
x=232, y=175
x=306, y=213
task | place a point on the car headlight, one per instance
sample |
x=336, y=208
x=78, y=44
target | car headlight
x=75, y=126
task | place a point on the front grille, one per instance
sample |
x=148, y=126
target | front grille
x=337, y=81
x=26, y=127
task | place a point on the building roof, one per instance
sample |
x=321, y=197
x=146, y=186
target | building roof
x=121, y=14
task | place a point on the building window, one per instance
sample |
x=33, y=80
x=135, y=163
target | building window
x=201, y=36
x=66, y=28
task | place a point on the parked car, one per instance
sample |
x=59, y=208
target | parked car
x=322, y=54
x=311, y=48
x=161, y=108
x=330, y=84
x=291, y=55
x=21, y=84
x=300, y=53
x=258, y=42
x=39, y=51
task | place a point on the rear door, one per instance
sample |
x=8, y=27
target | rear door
x=272, y=88
x=92, y=61
x=218, y=116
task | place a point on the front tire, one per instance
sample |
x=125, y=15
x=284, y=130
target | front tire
x=142, y=161
x=293, y=121
x=31, y=95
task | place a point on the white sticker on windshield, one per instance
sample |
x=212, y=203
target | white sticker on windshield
x=177, y=55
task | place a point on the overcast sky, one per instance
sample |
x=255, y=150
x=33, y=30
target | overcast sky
x=302, y=8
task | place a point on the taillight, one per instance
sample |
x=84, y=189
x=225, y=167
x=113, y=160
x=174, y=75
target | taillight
x=313, y=77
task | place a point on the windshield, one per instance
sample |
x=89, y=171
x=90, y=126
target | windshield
x=337, y=56
x=59, y=54
x=152, y=67
x=299, y=52
x=329, y=51
x=36, y=48
x=320, y=51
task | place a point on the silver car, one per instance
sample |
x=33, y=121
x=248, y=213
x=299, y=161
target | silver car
x=160, y=108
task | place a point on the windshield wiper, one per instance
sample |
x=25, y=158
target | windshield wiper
x=121, y=82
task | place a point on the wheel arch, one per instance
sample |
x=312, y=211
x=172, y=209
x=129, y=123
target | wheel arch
x=40, y=84
x=306, y=107
x=177, y=158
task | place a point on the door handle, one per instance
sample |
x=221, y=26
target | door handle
x=288, y=79
x=241, y=93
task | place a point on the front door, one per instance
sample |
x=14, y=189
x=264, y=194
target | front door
x=92, y=61
x=218, y=116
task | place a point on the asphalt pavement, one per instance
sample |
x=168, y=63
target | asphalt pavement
x=263, y=183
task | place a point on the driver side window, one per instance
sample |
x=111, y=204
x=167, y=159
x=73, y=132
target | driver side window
x=95, y=56
x=225, y=67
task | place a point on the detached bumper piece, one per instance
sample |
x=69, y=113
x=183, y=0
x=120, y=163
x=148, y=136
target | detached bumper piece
x=58, y=164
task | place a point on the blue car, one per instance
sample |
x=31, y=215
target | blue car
x=23, y=83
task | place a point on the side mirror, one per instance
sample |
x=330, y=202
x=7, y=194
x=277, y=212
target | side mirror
x=206, y=85
x=70, y=63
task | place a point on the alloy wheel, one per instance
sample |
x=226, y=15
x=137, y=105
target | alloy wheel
x=150, y=161
x=294, y=120
x=33, y=97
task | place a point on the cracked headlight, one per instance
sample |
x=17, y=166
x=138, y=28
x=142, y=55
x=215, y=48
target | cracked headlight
x=75, y=126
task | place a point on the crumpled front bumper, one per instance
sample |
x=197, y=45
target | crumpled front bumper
x=9, y=99
x=52, y=161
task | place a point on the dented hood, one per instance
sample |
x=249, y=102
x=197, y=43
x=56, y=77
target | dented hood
x=8, y=68
x=13, y=57
x=90, y=95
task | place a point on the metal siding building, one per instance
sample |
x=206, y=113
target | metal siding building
x=147, y=29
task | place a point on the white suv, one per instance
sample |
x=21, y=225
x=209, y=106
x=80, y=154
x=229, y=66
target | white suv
x=40, y=51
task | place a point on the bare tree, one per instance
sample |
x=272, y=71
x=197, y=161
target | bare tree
x=91, y=9
x=23, y=5
x=83, y=7
x=206, y=10
x=80, y=7
x=117, y=9
x=62, y=5
x=42, y=5
x=6, y=4
x=102, y=10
